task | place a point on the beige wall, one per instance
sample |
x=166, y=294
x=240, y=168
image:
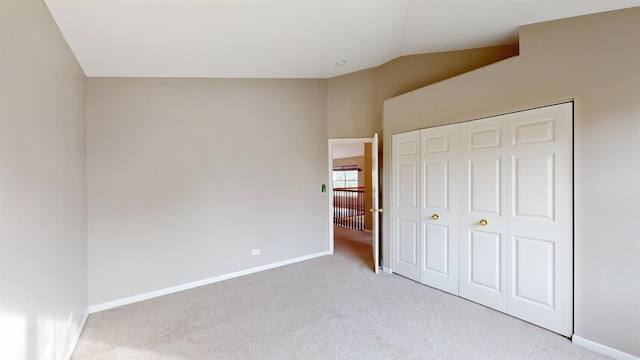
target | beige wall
x=43, y=249
x=595, y=61
x=352, y=106
x=187, y=176
x=355, y=100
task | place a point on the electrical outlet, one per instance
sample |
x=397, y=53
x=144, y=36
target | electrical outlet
x=255, y=252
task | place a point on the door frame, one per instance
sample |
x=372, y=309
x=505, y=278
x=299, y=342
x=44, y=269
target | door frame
x=375, y=242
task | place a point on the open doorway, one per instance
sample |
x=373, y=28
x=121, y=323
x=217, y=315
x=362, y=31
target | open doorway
x=353, y=169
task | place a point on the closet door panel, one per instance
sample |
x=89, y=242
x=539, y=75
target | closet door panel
x=439, y=208
x=540, y=246
x=533, y=271
x=407, y=243
x=483, y=212
x=533, y=181
x=485, y=265
x=437, y=249
x=485, y=185
x=405, y=212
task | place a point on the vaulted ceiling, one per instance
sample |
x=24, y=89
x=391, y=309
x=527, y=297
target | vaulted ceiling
x=288, y=38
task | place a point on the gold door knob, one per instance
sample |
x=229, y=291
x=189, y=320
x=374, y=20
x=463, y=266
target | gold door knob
x=435, y=217
x=483, y=222
x=374, y=210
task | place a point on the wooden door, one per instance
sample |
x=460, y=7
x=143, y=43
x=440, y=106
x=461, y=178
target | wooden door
x=375, y=203
x=483, y=212
x=439, y=208
x=540, y=224
x=405, y=207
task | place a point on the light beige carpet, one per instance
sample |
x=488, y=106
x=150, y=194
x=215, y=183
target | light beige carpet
x=333, y=307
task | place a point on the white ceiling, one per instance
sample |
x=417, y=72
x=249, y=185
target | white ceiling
x=288, y=38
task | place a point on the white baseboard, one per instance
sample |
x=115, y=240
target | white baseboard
x=76, y=337
x=602, y=349
x=136, y=298
x=387, y=270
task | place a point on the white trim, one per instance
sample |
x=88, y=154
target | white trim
x=330, y=194
x=350, y=141
x=602, y=349
x=76, y=338
x=174, y=289
x=387, y=270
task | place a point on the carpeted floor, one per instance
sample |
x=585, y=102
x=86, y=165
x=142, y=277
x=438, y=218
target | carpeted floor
x=355, y=244
x=333, y=307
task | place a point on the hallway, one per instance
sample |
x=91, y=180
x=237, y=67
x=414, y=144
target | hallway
x=354, y=243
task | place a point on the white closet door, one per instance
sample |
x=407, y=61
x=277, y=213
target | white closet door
x=406, y=208
x=483, y=212
x=540, y=245
x=514, y=215
x=439, y=208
